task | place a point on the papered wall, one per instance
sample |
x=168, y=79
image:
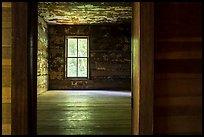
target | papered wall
x=42, y=57
x=109, y=51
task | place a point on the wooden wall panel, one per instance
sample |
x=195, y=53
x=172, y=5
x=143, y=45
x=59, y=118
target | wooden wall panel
x=178, y=106
x=95, y=84
x=178, y=125
x=6, y=68
x=7, y=52
x=6, y=94
x=6, y=76
x=6, y=4
x=6, y=36
x=6, y=113
x=178, y=76
x=6, y=129
x=20, y=72
x=178, y=87
x=178, y=68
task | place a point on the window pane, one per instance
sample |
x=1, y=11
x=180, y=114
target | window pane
x=72, y=47
x=82, y=49
x=72, y=67
x=82, y=67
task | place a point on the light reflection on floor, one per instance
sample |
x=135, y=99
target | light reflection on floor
x=104, y=92
x=84, y=112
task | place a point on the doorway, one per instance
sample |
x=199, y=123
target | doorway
x=105, y=34
x=26, y=123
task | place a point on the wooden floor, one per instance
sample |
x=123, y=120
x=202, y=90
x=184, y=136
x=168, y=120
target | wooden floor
x=84, y=112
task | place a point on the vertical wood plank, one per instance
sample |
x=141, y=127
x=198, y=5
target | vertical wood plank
x=32, y=68
x=6, y=4
x=146, y=67
x=6, y=68
x=19, y=90
x=135, y=58
x=178, y=65
x=142, y=68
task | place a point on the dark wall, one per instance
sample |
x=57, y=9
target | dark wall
x=178, y=68
x=110, y=56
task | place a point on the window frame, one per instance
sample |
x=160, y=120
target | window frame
x=66, y=57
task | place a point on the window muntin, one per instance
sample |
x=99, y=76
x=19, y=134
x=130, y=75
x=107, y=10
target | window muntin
x=76, y=57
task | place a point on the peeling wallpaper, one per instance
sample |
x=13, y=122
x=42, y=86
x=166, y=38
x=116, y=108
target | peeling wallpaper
x=42, y=57
x=85, y=12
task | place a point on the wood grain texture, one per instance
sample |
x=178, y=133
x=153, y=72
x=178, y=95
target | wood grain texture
x=6, y=94
x=6, y=62
x=6, y=129
x=6, y=13
x=178, y=19
x=6, y=68
x=135, y=71
x=178, y=69
x=6, y=36
x=6, y=113
x=160, y=76
x=178, y=106
x=6, y=54
x=19, y=94
x=178, y=66
x=178, y=125
x=146, y=68
x=6, y=4
x=6, y=76
x=178, y=87
x=84, y=112
x=180, y=55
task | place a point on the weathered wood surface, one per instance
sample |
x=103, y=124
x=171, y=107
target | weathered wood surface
x=6, y=68
x=84, y=112
x=97, y=83
x=178, y=68
x=109, y=57
x=179, y=125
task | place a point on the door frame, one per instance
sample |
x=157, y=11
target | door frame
x=142, y=76
x=24, y=68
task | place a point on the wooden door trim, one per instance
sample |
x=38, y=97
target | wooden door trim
x=19, y=86
x=142, y=68
x=24, y=75
x=146, y=67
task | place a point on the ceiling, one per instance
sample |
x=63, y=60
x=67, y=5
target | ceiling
x=69, y=13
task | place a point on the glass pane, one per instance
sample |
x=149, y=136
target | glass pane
x=72, y=47
x=82, y=51
x=72, y=67
x=82, y=67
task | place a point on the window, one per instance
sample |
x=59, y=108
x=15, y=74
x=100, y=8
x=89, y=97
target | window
x=76, y=56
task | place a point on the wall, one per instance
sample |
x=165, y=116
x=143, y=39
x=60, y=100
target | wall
x=178, y=63
x=6, y=68
x=109, y=56
x=42, y=57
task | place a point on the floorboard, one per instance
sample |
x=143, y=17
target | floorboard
x=84, y=112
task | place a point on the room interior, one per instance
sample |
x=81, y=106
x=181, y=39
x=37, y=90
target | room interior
x=167, y=67
x=107, y=26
